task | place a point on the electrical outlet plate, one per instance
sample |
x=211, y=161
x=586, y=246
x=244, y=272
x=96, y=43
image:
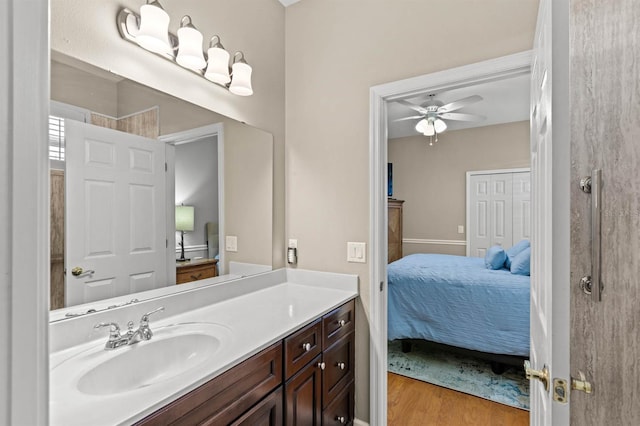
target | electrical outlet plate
x=357, y=252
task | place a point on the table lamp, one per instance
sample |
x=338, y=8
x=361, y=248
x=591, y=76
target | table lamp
x=184, y=222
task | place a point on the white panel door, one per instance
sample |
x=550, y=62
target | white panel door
x=521, y=190
x=549, y=294
x=501, y=204
x=116, y=208
x=480, y=218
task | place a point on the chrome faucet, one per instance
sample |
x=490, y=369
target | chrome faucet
x=131, y=336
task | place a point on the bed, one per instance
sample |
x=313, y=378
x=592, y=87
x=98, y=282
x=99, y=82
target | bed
x=457, y=301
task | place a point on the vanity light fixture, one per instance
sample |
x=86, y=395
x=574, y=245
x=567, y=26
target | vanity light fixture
x=190, y=46
x=153, y=32
x=150, y=30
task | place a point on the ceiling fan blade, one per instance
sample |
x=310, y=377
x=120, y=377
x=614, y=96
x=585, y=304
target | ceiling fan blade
x=461, y=117
x=460, y=103
x=417, y=108
x=413, y=117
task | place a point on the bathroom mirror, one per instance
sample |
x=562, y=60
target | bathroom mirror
x=219, y=166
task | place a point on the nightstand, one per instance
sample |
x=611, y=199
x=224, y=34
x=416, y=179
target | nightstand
x=194, y=270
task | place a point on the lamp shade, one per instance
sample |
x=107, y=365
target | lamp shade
x=421, y=127
x=439, y=125
x=190, y=46
x=184, y=218
x=153, y=34
x=218, y=66
x=241, y=79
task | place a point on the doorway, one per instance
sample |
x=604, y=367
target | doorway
x=483, y=72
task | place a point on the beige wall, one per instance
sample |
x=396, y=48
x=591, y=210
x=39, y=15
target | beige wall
x=432, y=179
x=86, y=30
x=335, y=51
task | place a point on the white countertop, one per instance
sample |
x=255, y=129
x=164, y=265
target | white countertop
x=256, y=320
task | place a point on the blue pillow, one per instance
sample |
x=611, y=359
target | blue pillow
x=521, y=263
x=495, y=257
x=513, y=252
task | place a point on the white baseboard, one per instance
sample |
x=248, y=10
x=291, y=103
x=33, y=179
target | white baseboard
x=434, y=242
x=358, y=422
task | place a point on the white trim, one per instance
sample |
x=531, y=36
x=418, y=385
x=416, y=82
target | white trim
x=72, y=112
x=468, y=196
x=358, y=422
x=434, y=242
x=191, y=135
x=494, y=69
x=24, y=110
x=187, y=249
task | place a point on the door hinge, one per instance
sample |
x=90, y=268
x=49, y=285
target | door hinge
x=166, y=243
x=381, y=285
x=166, y=168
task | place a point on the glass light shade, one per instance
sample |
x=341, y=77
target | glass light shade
x=429, y=130
x=184, y=218
x=421, y=127
x=190, y=48
x=218, y=66
x=440, y=126
x=241, y=82
x=153, y=34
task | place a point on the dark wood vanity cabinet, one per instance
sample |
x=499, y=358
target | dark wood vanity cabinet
x=320, y=390
x=306, y=379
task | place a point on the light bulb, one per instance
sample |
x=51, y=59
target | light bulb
x=190, y=46
x=153, y=34
x=241, y=78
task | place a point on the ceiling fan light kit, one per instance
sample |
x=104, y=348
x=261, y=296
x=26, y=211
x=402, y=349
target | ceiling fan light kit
x=433, y=115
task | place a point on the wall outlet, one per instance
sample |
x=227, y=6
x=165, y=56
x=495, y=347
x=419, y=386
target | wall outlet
x=231, y=243
x=460, y=229
x=293, y=243
x=357, y=252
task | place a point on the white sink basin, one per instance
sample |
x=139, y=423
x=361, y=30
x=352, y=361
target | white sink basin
x=173, y=352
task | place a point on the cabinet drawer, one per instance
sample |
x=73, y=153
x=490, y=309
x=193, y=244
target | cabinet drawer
x=187, y=274
x=338, y=370
x=268, y=412
x=338, y=323
x=226, y=397
x=341, y=409
x=301, y=347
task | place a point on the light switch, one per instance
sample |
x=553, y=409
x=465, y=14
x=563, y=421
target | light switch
x=357, y=252
x=460, y=229
x=231, y=243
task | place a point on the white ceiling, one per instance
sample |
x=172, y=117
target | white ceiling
x=504, y=101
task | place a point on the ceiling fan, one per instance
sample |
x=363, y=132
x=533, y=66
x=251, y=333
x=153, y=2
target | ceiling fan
x=433, y=114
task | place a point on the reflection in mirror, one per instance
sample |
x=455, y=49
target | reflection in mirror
x=123, y=156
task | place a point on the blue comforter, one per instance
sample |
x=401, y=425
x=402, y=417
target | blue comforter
x=456, y=301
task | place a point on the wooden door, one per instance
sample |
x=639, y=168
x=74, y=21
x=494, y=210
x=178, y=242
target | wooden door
x=605, y=134
x=115, y=213
x=303, y=396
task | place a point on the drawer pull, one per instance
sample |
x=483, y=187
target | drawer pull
x=341, y=323
x=194, y=277
x=341, y=365
x=341, y=419
x=306, y=347
x=321, y=365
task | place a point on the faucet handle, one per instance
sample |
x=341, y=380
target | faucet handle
x=114, y=330
x=145, y=318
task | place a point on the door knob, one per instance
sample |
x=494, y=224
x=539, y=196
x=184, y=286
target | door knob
x=78, y=271
x=542, y=375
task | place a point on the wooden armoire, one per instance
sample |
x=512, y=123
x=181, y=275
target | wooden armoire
x=395, y=230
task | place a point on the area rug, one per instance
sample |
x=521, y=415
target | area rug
x=461, y=373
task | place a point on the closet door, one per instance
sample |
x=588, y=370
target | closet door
x=501, y=227
x=479, y=227
x=521, y=206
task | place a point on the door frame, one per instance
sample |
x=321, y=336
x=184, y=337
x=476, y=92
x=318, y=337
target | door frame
x=481, y=72
x=187, y=136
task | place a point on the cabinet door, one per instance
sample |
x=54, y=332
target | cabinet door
x=303, y=395
x=501, y=210
x=479, y=215
x=521, y=206
x=267, y=412
x=339, y=368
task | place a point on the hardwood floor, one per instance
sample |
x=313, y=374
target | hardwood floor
x=412, y=402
